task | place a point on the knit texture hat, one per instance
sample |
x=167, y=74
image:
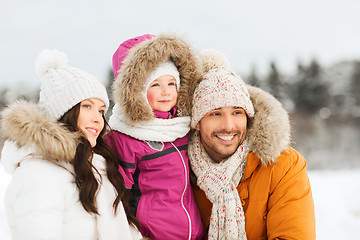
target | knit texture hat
x=219, y=87
x=123, y=50
x=165, y=68
x=62, y=86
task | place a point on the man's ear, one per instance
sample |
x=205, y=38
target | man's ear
x=197, y=126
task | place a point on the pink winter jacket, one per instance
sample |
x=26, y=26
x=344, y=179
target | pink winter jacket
x=158, y=176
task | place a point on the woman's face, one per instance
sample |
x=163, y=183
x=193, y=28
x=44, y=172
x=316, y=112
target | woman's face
x=90, y=120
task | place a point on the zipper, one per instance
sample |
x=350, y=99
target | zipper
x=182, y=196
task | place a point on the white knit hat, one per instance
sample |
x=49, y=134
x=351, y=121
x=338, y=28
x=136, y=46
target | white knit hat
x=165, y=68
x=62, y=86
x=219, y=88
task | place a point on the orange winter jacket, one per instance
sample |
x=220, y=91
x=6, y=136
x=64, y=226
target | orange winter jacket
x=275, y=191
x=276, y=199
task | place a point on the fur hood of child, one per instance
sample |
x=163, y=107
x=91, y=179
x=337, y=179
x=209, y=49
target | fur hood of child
x=140, y=61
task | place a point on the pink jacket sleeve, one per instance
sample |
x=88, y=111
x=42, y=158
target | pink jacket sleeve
x=121, y=145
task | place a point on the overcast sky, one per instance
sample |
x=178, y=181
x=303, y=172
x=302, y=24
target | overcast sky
x=250, y=33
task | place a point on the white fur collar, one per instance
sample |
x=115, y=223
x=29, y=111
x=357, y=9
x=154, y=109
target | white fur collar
x=160, y=130
x=27, y=125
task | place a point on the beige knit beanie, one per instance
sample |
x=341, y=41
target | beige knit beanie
x=219, y=87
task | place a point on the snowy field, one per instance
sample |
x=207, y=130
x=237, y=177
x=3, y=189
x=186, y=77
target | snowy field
x=336, y=195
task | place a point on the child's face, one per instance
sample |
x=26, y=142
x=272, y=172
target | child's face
x=162, y=93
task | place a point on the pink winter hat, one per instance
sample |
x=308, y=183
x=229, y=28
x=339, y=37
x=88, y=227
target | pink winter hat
x=123, y=51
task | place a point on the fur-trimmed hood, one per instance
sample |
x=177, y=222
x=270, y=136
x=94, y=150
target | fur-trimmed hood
x=269, y=130
x=139, y=64
x=24, y=124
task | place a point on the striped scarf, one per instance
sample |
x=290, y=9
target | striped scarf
x=219, y=182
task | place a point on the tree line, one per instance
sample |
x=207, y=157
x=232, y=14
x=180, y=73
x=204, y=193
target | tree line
x=311, y=89
x=314, y=89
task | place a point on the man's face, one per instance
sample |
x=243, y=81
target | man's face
x=222, y=130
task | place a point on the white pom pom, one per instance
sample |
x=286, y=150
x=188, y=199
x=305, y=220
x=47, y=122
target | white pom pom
x=213, y=59
x=49, y=59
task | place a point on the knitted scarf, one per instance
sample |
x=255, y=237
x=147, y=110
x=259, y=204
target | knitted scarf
x=160, y=130
x=219, y=182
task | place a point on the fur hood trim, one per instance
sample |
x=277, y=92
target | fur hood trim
x=139, y=64
x=269, y=131
x=26, y=125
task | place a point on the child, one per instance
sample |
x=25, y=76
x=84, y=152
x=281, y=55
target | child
x=154, y=80
x=66, y=183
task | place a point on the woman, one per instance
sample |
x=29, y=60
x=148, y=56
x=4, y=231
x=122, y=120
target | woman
x=66, y=183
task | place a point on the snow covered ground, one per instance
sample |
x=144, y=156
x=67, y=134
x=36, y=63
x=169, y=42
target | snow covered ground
x=336, y=196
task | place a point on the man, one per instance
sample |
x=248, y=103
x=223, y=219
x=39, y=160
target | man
x=248, y=183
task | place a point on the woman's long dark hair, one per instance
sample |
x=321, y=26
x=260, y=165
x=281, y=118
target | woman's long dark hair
x=84, y=177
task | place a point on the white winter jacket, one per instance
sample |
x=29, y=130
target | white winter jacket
x=42, y=200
